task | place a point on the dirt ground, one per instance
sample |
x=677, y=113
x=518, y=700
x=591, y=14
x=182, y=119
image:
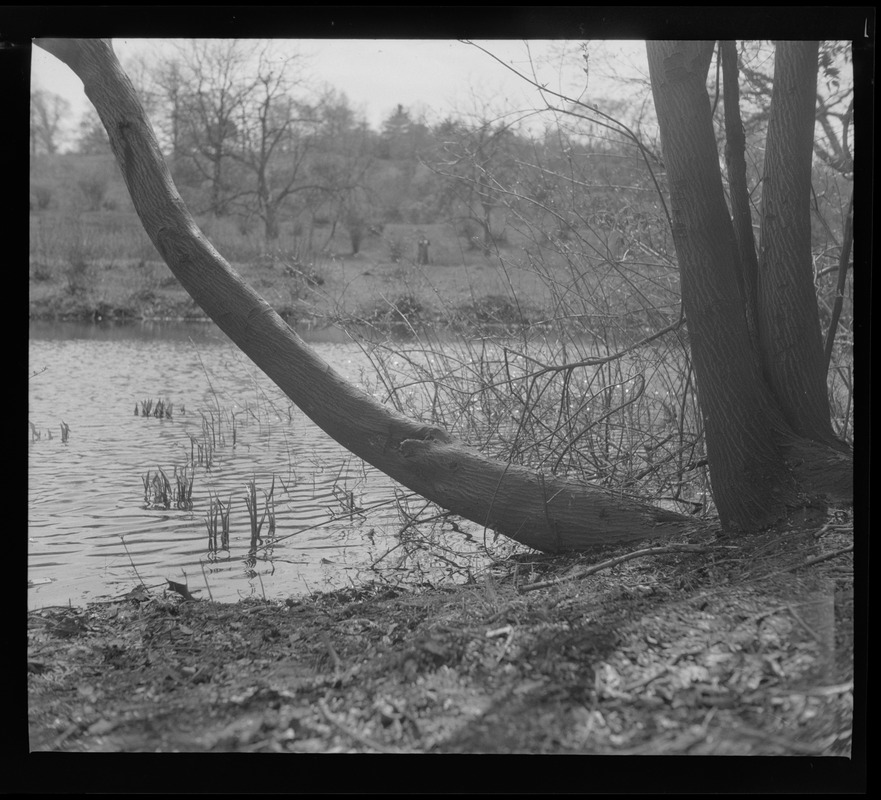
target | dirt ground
x=710, y=646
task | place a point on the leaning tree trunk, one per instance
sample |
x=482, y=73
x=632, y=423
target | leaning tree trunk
x=544, y=512
x=760, y=465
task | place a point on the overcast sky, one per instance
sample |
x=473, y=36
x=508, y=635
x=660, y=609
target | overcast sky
x=437, y=76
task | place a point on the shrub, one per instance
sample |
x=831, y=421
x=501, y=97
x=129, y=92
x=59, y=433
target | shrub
x=41, y=273
x=80, y=256
x=399, y=313
x=392, y=214
x=77, y=274
x=303, y=268
x=395, y=248
x=493, y=310
x=42, y=196
x=467, y=230
x=357, y=228
x=407, y=306
x=245, y=225
x=186, y=173
x=94, y=189
x=500, y=237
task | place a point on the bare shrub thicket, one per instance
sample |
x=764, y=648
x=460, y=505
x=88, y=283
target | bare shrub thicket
x=599, y=385
x=596, y=381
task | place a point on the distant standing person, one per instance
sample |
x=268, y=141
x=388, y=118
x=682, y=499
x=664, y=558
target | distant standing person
x=422, y=250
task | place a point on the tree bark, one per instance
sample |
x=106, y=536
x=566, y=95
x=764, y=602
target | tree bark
x=751, y=485
x=843, y=262
x=738, y=190
x=544, y=512
x=789, y=325
x=760, y=467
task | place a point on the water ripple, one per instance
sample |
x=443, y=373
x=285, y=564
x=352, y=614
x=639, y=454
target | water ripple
x=89, y=526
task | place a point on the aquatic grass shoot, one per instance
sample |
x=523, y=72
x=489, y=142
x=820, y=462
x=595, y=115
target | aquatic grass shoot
x=268, y=515
x=217, y=522
x=160, y=409
x=201, y=452
x=160, y=492
x=347, y=503
x=183, y=487
x=212, y=435
x=37, y=434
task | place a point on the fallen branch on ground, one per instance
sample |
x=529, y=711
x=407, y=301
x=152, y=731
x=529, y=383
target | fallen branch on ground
x=825, y=557
x=613, y=562
x=342, y=727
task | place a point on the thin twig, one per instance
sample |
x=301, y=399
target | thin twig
x=802, y=748
x=587, y=362
x=325, y=711
x=125, y=547
x=818, y=691
x=646, y=680
x=337, y=664
x=825, y=557
x=813, y=634
x=616, y=125
x=205, y=577
x=613, y=562
x=843, y=261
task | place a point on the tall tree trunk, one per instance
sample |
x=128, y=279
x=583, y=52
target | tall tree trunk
x=751, y=485
x=789, y=323
x=738, y=190
x=759, y=466
x=544, y=512
x=217, y=203
x=270, y=224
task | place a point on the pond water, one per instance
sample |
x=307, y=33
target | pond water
x=95, y=531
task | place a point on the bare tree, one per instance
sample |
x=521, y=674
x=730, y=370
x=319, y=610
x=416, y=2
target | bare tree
x=275, y=135
x=476, y=160
x=92, y=139
x=171, y=92
x=340, y=165
x=48, y=113
x=402, y=136
x=219, y=86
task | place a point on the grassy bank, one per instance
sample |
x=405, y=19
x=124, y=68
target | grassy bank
x=100, y=265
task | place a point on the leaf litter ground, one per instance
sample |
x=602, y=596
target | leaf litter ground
x=730, y=647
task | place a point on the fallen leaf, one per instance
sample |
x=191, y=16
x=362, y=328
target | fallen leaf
x=181, y=589
x=138, y=595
